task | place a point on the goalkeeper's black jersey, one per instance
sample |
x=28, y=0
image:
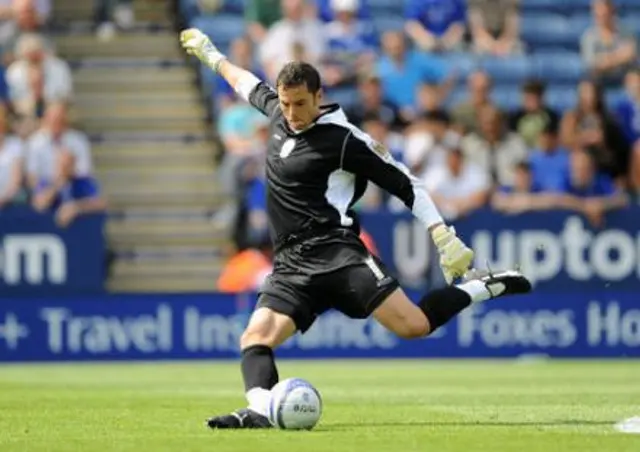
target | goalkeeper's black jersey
x=314, y=177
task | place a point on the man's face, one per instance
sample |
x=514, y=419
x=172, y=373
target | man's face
x=393, y=44
x=582, y=170
x=602, y=12
x=299, y=106
x=377, y=129
x=490, y=124
x=371, y=91
x=531, y=102
x=241, y=52
x=26, y=15
x=436, y=128
x=293, y=9
x=56, y=119
x=547, y=141
x=632, y=84
x=479, y=86
x=455, y=162
x=522, y=181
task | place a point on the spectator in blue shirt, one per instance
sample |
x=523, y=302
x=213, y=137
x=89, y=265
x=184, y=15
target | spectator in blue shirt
x=402, y=71
x=524, y=195
x=628, y=109
x=68, y=195
x=436, y=25
x=351, y=44
x=590, y=192
x=550, y=162
x=327, y=13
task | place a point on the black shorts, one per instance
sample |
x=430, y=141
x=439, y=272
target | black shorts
x=334, y=271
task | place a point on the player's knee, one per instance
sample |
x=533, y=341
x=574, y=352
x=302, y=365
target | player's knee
x=414, y=328
x=258, y=334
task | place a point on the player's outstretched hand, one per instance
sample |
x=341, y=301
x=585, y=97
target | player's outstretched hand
x=455, y=257
x=197, y=43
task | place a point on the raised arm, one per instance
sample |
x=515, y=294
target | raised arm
x=245, y=84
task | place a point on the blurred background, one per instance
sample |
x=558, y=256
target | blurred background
x=132, y=185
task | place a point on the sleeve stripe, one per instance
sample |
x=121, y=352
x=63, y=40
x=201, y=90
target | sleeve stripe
x=344, y=148
x=246, y=84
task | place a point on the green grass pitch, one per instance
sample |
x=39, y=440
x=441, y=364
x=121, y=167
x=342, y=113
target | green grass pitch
x=369, y=406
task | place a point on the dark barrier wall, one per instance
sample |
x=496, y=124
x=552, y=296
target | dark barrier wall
x=209, y=326
x=560, y=251
x=37, y=257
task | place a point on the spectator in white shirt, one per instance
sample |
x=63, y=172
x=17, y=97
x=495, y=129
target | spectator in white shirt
x=18, y=17
x=458, y=187
x=295, y=37
x=494, y=148
x=11, y=157
x=60, y=169
x=429, y=141
x=37, y=78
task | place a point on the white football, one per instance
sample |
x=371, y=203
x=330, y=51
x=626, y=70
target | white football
x=295, y=405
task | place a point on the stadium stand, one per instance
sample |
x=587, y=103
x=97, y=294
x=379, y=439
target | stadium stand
x=550, y=32
x=152, y=148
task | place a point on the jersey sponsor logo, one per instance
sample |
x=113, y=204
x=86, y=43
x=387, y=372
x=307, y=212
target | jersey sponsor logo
x=287, y=148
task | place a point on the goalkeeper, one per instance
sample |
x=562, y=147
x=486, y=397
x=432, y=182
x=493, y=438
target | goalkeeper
x=317, y=166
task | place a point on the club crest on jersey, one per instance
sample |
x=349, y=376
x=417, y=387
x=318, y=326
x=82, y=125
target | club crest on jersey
x=287, y=148
x=380, y=149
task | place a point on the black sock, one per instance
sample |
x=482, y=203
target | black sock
x=442, y=305
x=258, y=367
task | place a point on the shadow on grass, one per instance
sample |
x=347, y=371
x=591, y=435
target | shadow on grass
x=464, y=423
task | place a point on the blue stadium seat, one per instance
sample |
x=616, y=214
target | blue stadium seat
x=379, y=7
x=459, y=94
x=613, y=97
x=191, y=9
x=561, y=98
x=537, y=6
x=580, y=22
x=563, y=67
x=222, y=28
x=345, y=96
x=511, y=70
x=388, y=23
x=461, y=64
x=631, y=22
x=546, y=30
x=507, y=97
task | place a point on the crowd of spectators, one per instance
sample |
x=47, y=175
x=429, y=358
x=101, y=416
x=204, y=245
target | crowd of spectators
x=471, y=153
x=44, y=162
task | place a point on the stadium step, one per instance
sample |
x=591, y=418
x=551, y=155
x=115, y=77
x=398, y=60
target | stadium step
x=160, y=45
x=153, y=150
x=130, y=155
x=176, y=79
x=65, y=11
x=204, y=282
x=108, y=123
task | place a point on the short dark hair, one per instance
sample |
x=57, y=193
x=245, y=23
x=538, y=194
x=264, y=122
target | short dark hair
x=299, y=73
x=524, y=166
x=534, y=87
x=551, y=128
x=439, y=116
x=372, y=117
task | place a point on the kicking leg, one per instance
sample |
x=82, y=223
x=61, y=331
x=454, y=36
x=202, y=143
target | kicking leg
x=267, y=329
x=398, y=314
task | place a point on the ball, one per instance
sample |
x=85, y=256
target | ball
x=295, y=405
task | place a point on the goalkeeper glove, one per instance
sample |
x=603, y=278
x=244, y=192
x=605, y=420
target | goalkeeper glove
x=455, y=256
x=197, y=43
